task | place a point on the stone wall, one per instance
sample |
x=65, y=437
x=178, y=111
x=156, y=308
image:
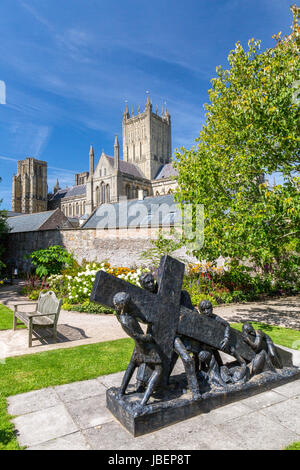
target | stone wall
x=120, y=247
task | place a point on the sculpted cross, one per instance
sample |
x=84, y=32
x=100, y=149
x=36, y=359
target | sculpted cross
x=163, y=311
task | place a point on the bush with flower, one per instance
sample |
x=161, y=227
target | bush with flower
x=76, y=288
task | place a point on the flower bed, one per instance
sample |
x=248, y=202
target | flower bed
x=76, y=288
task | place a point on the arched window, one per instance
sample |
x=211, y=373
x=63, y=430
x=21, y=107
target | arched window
x=100, y=173
x=102, y=189
x=70, y=210
x=107, y=193
x=104, y=171
x=98, y=194
x=128, y=191
x=157, y=193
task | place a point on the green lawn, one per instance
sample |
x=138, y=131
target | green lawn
x=32, y=372
x=294, y=446
x=6, y=318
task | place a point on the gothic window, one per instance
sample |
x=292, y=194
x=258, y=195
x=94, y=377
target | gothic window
x=70, y=210
x=128, y=191
x=104, y=171
x=98, y=196
x=107, y=193
x=100, y=173
x=77, y=208
x=157, y=193
x=102, y=188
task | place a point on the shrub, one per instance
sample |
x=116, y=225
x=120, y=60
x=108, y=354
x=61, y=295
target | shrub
x=87, y=307
x=50, y=260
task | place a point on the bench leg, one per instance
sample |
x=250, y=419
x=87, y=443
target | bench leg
x=30, y=334
x=55, y=334
x=15, y=322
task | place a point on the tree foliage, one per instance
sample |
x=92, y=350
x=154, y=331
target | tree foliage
x=51, y=260
x=251, y=130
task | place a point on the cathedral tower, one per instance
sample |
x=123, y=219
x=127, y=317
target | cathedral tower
x=147, y=139
x=29, y=191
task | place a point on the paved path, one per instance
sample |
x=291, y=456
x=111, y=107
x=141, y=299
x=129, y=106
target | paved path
x=76, y=329
x=75, y=416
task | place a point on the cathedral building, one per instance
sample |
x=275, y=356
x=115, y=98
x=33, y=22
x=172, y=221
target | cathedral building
x=145, y=170
x=29, y=187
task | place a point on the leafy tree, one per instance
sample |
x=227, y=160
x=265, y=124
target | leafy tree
x=163, y=245
x=251, y=130
x=51, y=260
x=4, y=229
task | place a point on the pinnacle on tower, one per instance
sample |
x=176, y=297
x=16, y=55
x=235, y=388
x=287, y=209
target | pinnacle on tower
x=132, y=111
x=91, y=161
x=116, y=153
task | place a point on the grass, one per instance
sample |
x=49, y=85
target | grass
x=293, y=446
x=284, y=336
x=32, y=372
x=6, y=318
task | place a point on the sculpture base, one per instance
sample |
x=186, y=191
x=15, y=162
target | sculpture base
x=176, y=404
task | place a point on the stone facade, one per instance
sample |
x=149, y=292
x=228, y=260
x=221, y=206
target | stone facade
x=146, y=166
x=29, y=188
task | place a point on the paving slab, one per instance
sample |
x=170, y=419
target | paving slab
x=74, y=441
x=41, y=426
x=289, y=390
x=32, y=401
x=90, y=412
x=263, y=400
x=286, y=413
x=79, y=390
x=255, y=431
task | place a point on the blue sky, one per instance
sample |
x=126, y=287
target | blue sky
x=69, y=66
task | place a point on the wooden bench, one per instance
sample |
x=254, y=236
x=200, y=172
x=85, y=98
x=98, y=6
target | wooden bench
x=45, y=315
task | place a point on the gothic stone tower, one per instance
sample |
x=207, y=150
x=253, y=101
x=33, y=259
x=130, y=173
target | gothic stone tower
x=147, y=139
x=29, y=191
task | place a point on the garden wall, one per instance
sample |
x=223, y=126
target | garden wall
x=121, y=247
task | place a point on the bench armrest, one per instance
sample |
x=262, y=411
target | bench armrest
x=32, y=315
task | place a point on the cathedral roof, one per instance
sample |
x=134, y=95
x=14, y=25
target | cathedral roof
x=79, y=190
x=127, y=167
x=152, y=211
x=166, y=171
